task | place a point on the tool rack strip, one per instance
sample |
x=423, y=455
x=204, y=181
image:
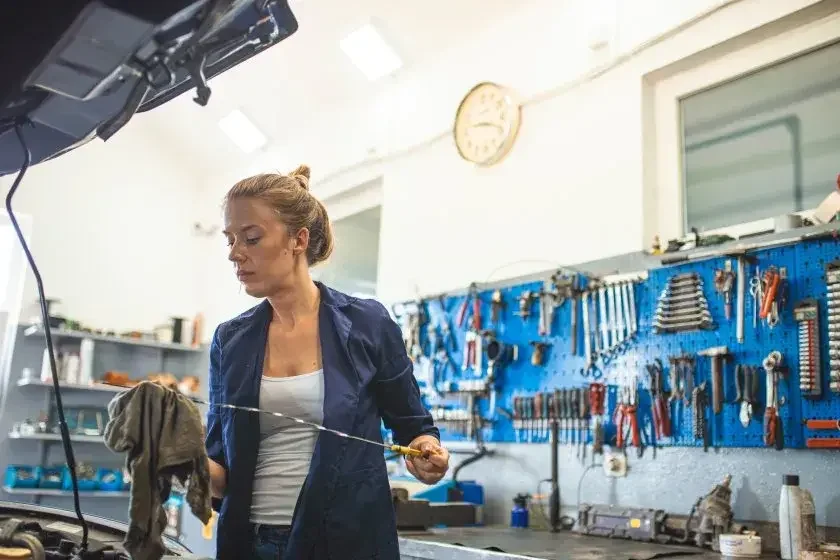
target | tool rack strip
x=491, y=368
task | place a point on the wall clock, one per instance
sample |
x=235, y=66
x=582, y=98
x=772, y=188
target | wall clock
x=486, y=124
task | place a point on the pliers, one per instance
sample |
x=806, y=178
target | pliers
x=661, y=416
x=746, y=391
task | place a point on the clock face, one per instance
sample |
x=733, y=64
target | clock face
x=486, y=124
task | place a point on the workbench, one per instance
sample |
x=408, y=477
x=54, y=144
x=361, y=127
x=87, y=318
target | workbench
x=523, y=544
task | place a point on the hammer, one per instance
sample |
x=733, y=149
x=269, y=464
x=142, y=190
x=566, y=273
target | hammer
x=716, y=354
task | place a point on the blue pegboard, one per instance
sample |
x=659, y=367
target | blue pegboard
x=805, y=265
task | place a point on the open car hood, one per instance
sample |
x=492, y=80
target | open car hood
x=80, y=69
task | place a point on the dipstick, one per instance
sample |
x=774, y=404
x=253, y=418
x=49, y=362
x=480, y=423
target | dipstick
x=401, y=449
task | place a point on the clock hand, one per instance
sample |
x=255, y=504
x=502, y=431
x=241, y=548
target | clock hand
x=485, y=124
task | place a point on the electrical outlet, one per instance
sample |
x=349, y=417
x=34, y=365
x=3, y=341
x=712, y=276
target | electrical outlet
x=615, y=464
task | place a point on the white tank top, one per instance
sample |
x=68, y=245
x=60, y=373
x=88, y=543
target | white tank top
x=285, y=447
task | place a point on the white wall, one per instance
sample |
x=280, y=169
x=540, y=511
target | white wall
x=112, y=232
x=446, y=223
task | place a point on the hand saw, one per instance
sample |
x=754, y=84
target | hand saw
x=401, y=449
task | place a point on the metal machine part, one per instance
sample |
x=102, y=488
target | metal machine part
x=53, y=528
x=714, y=514
x=638, y=524
x=710, y=516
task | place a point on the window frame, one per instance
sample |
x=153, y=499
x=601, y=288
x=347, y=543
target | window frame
x=670, y=206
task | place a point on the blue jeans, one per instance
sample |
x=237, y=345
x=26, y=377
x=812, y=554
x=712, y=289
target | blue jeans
x=269, y=542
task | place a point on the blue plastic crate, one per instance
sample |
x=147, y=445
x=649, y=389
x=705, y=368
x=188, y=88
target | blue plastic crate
x=51, y=478
x=110, y=480
x=22, y=476
x=85, y=484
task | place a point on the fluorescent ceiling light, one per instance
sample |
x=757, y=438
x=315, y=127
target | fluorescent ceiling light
x=242, y=132
x=370, y=53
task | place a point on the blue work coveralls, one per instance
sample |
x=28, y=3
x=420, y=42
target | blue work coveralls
x=344, y=510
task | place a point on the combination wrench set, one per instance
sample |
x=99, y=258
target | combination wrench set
x=609, y=318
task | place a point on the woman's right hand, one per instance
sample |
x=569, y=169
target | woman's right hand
x=218, y=478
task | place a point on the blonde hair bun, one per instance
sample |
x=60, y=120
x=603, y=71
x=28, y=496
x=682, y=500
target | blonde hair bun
x=301, y=174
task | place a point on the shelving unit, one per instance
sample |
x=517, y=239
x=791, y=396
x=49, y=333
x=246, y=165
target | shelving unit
x=64, y=493
x=79, y=335
x=95, y=387
x=56, y=437
x=138, y=357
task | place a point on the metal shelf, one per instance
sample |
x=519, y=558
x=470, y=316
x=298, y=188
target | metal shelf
x=95, y=387
x=68, y=493
x=56, y=437
x=79, y=335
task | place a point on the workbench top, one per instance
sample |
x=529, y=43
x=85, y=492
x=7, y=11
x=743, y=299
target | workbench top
x=524, y=543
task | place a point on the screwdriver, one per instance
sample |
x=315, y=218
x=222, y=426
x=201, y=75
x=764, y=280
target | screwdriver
x=564, y=414
x=538, y=410
x=401, y=449
x=545, y=410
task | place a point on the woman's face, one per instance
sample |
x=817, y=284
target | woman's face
x=261, y=249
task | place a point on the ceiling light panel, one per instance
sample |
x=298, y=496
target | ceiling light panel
x=371, y=54
x=242, y=132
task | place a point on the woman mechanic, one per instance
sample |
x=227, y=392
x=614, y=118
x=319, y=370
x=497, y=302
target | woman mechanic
x=289, y=491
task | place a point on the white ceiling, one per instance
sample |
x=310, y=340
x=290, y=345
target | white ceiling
x=282, y=88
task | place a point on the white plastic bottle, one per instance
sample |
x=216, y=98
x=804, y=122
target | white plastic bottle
x=809, y=521
x=790, y=518
x=86, y=362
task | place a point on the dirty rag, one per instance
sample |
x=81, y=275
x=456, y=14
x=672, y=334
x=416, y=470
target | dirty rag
x=162, y=435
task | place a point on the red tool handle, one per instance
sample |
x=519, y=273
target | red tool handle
x=822, y=443
x=476, y=314
x=636, y=436
x=618, y=420
x=661, y=418
x=823, y=424
x=666, y=417
x=596, y=398
x=657, y=419
x=772, y=279
x=770, y=420
x=462, y=311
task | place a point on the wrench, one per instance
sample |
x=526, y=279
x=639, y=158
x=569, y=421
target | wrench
x=605, y=324
x=631, y=314
x=618, y=296
x=587, y=349
x=613, y=319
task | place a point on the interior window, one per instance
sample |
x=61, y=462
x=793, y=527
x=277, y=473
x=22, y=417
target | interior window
x=762, y=145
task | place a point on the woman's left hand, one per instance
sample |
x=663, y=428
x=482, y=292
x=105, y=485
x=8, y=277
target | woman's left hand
x=428, y=470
